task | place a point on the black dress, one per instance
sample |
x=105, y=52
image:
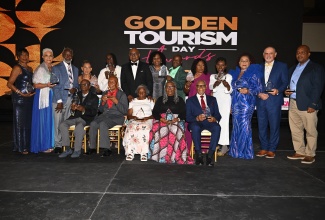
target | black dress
x=22, y=113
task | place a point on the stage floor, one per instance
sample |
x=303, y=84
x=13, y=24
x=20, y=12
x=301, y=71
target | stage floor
x=43, y=186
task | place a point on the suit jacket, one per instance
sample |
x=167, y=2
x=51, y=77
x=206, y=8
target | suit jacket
x=143, y=76
x=60, y=91
x=180, y=78
x=279, y=78
x=193, y=108
x=309, y=86
x=91, y=107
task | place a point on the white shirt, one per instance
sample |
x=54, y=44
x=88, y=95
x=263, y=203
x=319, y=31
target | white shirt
x=204, y=98
x=267, y=71
x=134, y=69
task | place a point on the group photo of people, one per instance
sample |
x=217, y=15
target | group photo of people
x=164, y=108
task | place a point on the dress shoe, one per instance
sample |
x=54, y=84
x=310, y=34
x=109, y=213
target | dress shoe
x=57, y=150
x=199, y=159
x=223, y=151
x=296, y=157
x=66, y=153
x=270, y=155
x=261, y=153
x=308, y=160
x=107, y=152
x=209, y=160
x=76, y=154
x=90, y=151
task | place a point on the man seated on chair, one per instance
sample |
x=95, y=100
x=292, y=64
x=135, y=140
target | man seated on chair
x=113, y=106
x=202, y=113
x=81, y=115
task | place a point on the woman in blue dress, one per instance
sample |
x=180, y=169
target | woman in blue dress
x=42, y=139
x=246, y=85
x=20, y=82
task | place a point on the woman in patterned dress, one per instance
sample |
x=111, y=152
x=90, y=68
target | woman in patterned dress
x=167, y=139
x=136, y=138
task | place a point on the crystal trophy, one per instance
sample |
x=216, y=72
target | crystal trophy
x=163, y=72
x=75, y=101
x=94, y=81
x=169, y=115
x=54, y=79
x=207, y=112
x=241, y=84
x=190, y=77
x=140, y=114
x=269, y=87
x=28, y=88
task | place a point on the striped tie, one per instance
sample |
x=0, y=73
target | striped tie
x=70, y=75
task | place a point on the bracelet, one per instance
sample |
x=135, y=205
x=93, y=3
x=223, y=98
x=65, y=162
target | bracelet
x=17, y=91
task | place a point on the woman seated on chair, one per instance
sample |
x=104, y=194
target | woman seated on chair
x=136, y=138
x=167, y=140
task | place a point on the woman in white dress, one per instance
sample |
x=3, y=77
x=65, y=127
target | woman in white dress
x=112, y=68
x=136, y=138
x=220, y=85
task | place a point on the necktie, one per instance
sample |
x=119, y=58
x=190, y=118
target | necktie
x=203, y=103
x=268, y=67
x=135, y=64
x=70, y=75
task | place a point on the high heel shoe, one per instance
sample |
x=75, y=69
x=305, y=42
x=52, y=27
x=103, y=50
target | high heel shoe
x=223, y=151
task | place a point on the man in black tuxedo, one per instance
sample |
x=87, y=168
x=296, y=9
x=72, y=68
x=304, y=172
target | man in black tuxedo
x=202, y=113
x=83, y=114
x=135, y=73
x=306, y=86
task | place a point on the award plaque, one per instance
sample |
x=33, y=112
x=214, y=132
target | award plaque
x=190, y=77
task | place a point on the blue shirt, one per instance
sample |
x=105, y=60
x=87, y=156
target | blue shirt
x=295, y=77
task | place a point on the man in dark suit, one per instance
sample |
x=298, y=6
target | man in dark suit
x=83, y=114
x=202, y=113
x=135, y=73
x=306, y=86
x=270, y=101
x=62, y=93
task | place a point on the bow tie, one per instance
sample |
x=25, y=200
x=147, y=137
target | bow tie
x=268, y=64
x=134, y=64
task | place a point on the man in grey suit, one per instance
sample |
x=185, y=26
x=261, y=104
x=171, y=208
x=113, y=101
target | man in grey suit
x=113, y=108
x=135, y=73
x=62, y=93
x=306, y=86
x=83, y=114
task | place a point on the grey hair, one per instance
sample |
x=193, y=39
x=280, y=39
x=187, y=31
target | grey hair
x=46, y=49
x=145, y=88
x=165, y=97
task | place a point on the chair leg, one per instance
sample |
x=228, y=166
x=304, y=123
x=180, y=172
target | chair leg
x=97, y=141
x=192, y=150
x=118, y=140
x=85, y=142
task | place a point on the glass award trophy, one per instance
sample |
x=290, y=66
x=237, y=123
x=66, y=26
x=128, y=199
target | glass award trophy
x=28, y=88
x=190, y=77
x=75, y=101
x=169, y=115
x=269, y=87
x=241, y=84
x=54, y=79
x=163, y=72
x=207, y=112
x=140, y=114
x=94, y=81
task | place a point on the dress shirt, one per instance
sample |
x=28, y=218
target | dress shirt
x=204, y=98
x=268, y=68
x=134, y=68
x=295, y=77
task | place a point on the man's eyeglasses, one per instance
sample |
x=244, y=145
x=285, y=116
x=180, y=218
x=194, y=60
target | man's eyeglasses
x=170, y=87
x=84, y=84
x=201, y=86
